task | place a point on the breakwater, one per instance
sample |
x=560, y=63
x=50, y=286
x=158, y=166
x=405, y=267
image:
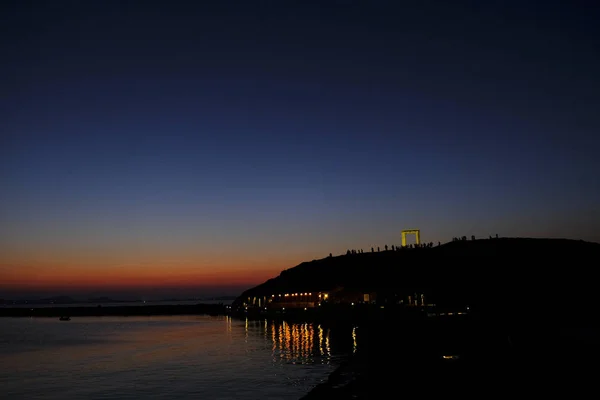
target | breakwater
x=133, y=310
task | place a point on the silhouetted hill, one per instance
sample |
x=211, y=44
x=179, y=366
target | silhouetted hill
x=503, y=276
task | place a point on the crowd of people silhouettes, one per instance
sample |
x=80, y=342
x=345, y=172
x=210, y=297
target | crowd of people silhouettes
x=409, y=246
x=462, y=238
x=391, y=248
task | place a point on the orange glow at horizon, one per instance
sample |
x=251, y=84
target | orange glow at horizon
x=29, y=268
x=141, y=275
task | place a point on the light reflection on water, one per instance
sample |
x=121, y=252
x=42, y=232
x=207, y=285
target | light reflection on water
x=296, y=343
x=165, y=357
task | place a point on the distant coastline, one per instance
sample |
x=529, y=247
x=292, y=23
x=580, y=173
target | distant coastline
x=106, y=301
x=118, y=309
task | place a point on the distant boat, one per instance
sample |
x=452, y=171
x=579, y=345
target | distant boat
x=65, y=318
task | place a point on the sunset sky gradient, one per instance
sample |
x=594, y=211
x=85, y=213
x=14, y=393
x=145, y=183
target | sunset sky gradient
x=178, y=149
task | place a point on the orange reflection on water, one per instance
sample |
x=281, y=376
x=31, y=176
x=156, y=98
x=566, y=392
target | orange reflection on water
x=298, y=342
x=280, y=337
x=292, y=342
x=287, y=337
x=296, y=346
x=122, y=344
x=327, y=347
x=321, y=341
x=228, y=321
x=274, y=340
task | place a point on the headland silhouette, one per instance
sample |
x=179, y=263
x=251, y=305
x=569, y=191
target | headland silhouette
x=473, y=317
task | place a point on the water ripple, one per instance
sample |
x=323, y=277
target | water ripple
x=163, y=358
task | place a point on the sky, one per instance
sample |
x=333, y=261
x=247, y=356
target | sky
x=177, y=148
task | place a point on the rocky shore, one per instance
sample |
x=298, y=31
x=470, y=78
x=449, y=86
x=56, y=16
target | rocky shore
x=467, y=359
x=531, y=328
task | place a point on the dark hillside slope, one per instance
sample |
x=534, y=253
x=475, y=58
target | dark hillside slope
x=505, y=276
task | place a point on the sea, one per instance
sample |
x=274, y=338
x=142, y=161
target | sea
x=166, y=357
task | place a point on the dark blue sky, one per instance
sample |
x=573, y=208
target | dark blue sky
x=280, y=131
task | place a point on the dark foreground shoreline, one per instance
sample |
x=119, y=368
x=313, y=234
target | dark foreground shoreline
x=468, y=359
x=468, y=356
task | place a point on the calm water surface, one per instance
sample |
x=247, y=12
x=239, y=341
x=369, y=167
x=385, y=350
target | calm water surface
x=178, y=357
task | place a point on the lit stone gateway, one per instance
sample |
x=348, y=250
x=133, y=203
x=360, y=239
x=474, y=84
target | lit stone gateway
x=415, y=232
